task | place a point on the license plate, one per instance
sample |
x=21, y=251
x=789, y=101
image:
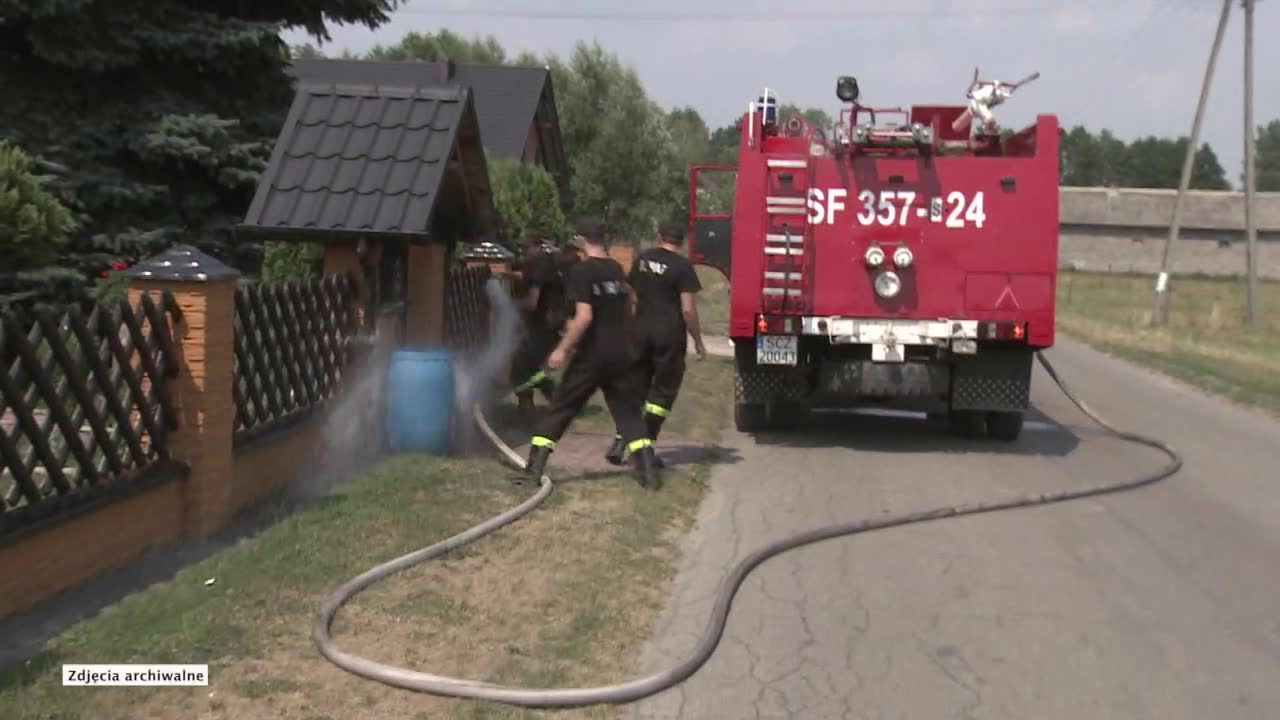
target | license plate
x=776, y=349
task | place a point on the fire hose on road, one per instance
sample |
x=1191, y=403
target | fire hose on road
x=643, y=687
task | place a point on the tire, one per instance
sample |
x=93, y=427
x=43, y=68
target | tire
x=1004, y=426
x=967, y=423
x=750, y=417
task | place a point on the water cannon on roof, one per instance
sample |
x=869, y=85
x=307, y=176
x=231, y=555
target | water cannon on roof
x=984, y=95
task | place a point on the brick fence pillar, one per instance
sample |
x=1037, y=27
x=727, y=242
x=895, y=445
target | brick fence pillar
x=202, y=391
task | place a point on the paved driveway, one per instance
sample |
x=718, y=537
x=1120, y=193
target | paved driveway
x=1163, y=603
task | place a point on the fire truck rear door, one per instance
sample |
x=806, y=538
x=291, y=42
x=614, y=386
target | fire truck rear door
x=711, y=226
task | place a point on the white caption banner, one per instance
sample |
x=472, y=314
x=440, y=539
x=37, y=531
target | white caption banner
x=138, y=675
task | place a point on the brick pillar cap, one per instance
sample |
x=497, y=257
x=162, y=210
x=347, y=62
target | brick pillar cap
x=488, y=252
x=183, y=263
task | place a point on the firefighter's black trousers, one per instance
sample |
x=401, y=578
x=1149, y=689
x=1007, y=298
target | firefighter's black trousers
x=662, y=361
x=526, y=364
x=618, y=376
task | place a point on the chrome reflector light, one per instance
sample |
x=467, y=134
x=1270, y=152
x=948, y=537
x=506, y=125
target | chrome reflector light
x=888, y=284
x=902, y=257
x=875, y=256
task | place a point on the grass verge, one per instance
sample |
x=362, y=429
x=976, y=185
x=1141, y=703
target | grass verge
x=713, y=301
x=1206, y=342
x=566, y=596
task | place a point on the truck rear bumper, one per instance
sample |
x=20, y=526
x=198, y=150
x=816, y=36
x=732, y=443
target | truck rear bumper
x=889, y=338
x=990, y=377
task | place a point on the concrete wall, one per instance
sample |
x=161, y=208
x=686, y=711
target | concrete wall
x=1123, y=230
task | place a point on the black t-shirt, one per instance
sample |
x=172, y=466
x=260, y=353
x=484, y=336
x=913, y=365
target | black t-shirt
x=601, y=283
x=564, y=262
x=541, y=272
x=659, y=276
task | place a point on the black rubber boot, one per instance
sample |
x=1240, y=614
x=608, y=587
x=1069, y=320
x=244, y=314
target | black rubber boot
x=533, y=469
x=646, y=468
x=548, y=388
x=524, y=405
x=653, y=424
x=616, y=452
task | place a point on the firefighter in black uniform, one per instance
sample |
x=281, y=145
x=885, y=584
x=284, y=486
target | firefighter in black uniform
x=543, y=306
x=666, y=312
x=605, y=359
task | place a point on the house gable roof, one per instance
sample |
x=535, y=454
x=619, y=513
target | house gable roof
x=360, y=158
x=507, y=99
x=506, y=96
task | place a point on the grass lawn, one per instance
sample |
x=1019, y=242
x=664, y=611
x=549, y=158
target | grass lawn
x=1205, y=343
x=564, y=597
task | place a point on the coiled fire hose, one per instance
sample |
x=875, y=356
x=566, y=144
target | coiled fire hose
x=643, y=687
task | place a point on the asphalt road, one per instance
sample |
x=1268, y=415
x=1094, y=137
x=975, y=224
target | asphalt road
x=1162, y=603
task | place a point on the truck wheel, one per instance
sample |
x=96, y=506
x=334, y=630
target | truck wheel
x=1004, y=426
x=749, y=417
x=967, y=423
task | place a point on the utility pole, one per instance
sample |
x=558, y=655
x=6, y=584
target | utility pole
x=1160, y=311
x=1251, y=231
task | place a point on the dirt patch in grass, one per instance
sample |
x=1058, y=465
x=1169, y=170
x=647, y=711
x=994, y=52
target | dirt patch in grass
x=565, y=596
x=1205, y=343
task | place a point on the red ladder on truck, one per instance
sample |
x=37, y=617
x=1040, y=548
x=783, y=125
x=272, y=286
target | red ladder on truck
x=788, y=238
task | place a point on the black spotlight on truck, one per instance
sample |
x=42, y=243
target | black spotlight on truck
x=847, y=88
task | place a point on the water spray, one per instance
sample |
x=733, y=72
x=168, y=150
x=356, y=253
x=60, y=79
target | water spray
x=640, y=688
x=476, y=376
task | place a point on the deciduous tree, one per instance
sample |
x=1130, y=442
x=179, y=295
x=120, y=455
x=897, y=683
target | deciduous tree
x=621, y=151
x=1266, y=164
x=1083, y=163
x=527, y=199
x=1090, y=160
x=443, y=45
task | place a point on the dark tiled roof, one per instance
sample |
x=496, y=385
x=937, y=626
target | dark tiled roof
x=506, y=102
x=506, y=96
x=360, y=157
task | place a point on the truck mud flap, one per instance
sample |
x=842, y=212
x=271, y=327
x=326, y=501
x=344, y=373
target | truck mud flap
x=768, y=384
x=995, y=379
x=756, y=384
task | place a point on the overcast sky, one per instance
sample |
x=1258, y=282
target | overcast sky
x=1133, y=66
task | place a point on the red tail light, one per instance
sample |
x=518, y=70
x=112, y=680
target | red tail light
x=1015, y=331
x=762, y=325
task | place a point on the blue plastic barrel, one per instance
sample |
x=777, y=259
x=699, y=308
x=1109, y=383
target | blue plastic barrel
x=420, y=401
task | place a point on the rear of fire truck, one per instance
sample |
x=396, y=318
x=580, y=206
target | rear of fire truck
x=909, y=261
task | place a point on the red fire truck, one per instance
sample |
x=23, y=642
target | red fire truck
x=910, y=260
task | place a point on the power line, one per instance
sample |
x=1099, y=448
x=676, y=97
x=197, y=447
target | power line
x=790, y=15
x=1123, y=52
